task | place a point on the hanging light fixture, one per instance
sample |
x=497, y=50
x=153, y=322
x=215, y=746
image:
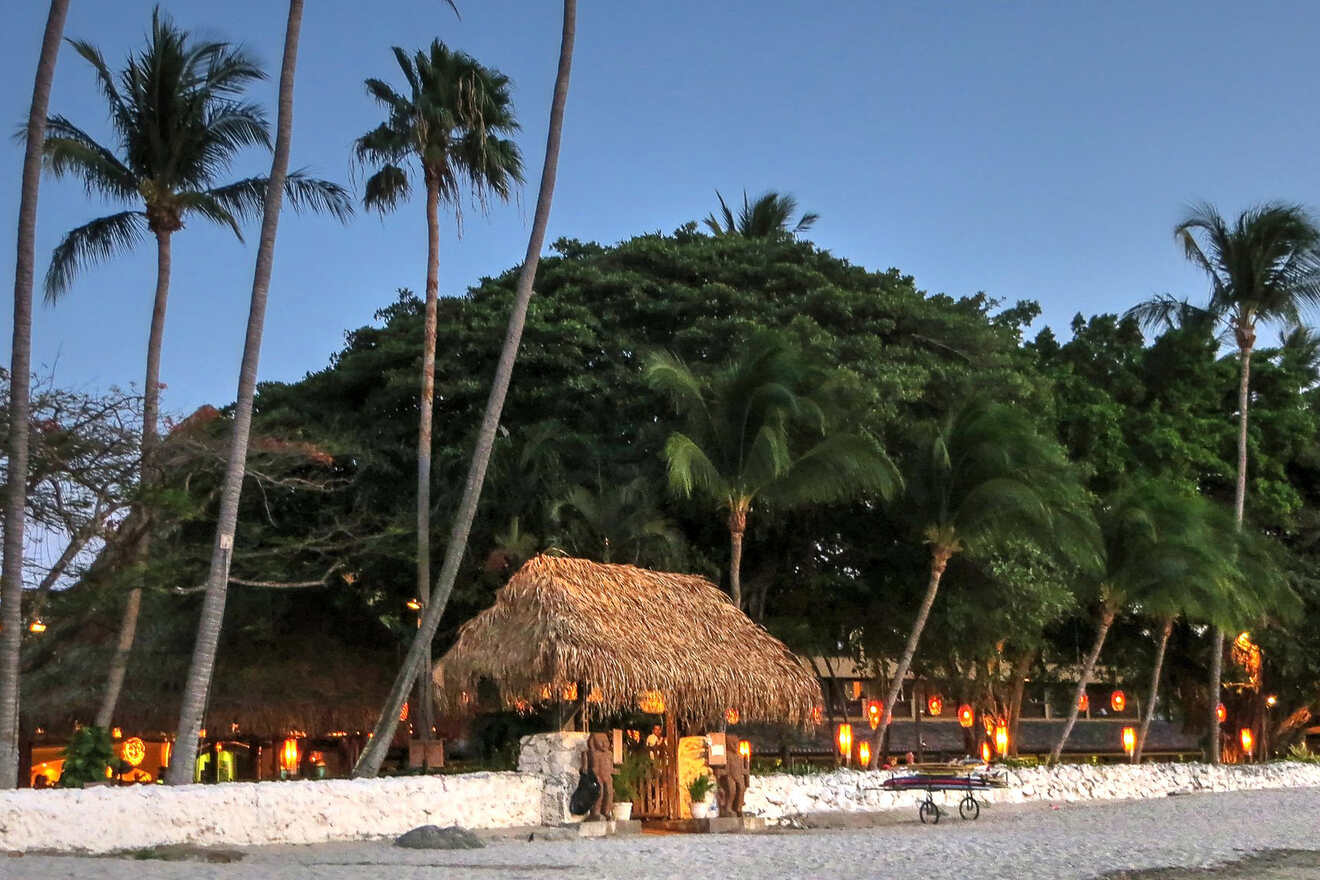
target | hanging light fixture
x=985, y=751
x=966, y=715
x=1221, y=713
x=1084, y=704
x=1118, y=701
x=731, y=715
x=1247, y=739
x=816, y=712
x=844, y=739
x=873, y=713
x=1129, y=740
x=1271, y=701
x=1001, y=739
x=36, y=626
x=744, y=750
x=864, y=754
x=935, y=705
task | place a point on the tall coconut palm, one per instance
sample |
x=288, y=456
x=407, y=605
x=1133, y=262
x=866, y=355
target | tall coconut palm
x=757, y=430
x=1160, y=542
x=373, y=756
x=981, y=476
x=184, y=755
x=449, y=123
x=1263, y=268
x=179, y=121
x=769, y=216
x=20, y=373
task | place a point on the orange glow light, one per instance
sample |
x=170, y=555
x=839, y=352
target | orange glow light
x=651, y=702
x=414, y=604
x=37, y=626
x=134, y=751
x=117, y=732
x=289, y=755
x=935, y=705
x=1248, y=741
x=966, y=715
x=1129, y=740
x=1084, y=704
x=844, y=739
x=1001, y=740
x=985, y=751
x=403, y=712
x=745, y=750
x=1118, y=701
x=864, y=753
x=816, y=712
x=731, y=716
x=873, y=713
x=1221, y=713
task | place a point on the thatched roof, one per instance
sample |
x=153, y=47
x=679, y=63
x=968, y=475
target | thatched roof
x=623, y=631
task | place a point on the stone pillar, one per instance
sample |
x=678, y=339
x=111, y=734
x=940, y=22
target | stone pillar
x=558, y=758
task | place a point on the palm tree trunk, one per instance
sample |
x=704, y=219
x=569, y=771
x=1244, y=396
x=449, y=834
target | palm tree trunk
x=1088, y=668
x=1154, y=689
x=1020, y=670
x=939, y=560
x=213, y=606
x=1245, y=341
x=422, y=699
x=20, y=389
x=150, y=440
x=373, y=756
x=737, y=528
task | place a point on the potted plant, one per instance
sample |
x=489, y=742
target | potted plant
x=627, y=781
x=87, y=758
x=699, y=789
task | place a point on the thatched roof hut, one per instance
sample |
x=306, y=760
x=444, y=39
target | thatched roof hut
x=625, y=631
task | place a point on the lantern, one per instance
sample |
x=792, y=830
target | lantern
x=289, y=756
x=844, y=739
x=117, y=732
x=857, y=690
x=744, y=750
x=1001, y=739
x=966, y=715
x=569, y=693
x=134, y=751
x=1271, y=701
x=651, y=702
x=1248, y=741
x=816, y=712
x=873, y=713
x=1118, y=701
x=985, y=751
x=864, y=753
x=1084, y=704
x=36, y=626
x=1221, y=714
x=935, y=705
x=1129, y=740
x=731, y=716
x=413, y=604
x=403, y=712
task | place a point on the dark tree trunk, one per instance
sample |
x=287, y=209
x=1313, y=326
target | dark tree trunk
x=1020, y=670
x=20, y=377
x=213, y=606
x=373, y=756
x=1154, y=689
x=1084, y=678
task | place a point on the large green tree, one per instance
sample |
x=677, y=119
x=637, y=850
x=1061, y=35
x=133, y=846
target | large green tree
x=451, y=121
x=179, y=120
x=762, y=428
x=1263, y=268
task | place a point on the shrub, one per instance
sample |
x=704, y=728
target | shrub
x=86, y=757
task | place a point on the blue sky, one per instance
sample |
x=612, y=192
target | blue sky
x=1031, y=150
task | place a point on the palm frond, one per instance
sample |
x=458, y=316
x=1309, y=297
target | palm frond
x=691, y=471
x=70, y=151
x=89, y=244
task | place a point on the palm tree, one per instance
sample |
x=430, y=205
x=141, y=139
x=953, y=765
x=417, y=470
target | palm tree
x=184, y=756
x=1160, y=544
x=179, y=121
x=981, y=476
x=753, y=432
x=617, y=522
x=449, y=122
x=373, y=756
x=1264, y=268
x=20, y=373
x=768, y=216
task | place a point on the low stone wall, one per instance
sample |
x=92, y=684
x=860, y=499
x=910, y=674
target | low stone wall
x=105, y=819
x=557, y=759
x=781, y=798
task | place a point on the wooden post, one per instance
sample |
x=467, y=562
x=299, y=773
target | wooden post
x=672, y=806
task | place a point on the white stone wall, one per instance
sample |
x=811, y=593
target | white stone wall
x=104, y=819
x=780, y=798
x=556, y=758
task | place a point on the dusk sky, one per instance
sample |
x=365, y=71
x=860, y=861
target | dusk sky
x=1029, y=150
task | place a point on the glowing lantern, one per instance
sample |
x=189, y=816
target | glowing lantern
x=985, y=751
x=1118, y=701
x=844, y=739
x=731, y=716
x=569, y=693
x=1084, y=704
x=1129, y=740
x=36, y=626
x=1001, y=739
x=117, y=732
x=403, y=712
x=134, y=751
x=166, y=748
x=966, y=715
x=651, y=702
x=857, y=690
x=864, y=753
x=414, y=604
x=873, y=713
x=1221, y=714
x=289, y=756
x=1248, y=741
x=1271, y=701
x=935, y=705
x=745, y=750
x=816, y=712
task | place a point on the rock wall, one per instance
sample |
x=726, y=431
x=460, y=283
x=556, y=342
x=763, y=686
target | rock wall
x=781, y=798
x=557, y=759
x=104, y=819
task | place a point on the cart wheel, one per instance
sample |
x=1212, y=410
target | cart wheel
x=929, y=813
x=969, y=808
